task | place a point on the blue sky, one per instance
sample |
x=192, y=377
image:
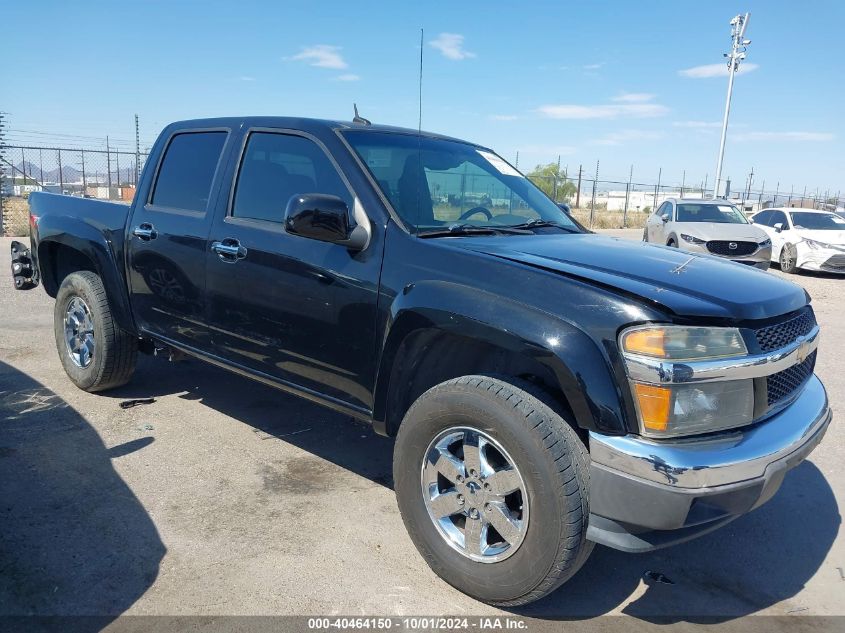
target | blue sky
x=587, y=81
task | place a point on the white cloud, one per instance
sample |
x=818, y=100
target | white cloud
x=503, y=117
x=246, y=78
x=603, y=111
x=783, y=136
x=715, y=70
x=348, y=77
x=593, y=66
x=634, y=97
x=451, y=45
x=322, y=56
x=624, y=136
x=697, y=124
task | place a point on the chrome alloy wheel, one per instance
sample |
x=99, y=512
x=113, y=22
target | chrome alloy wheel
x=79, y=332
x=474, y=494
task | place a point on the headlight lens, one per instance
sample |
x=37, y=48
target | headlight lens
x=691, y=239
x=669, y=410
x=817, y=245
x=679, y=343
x=765, y=243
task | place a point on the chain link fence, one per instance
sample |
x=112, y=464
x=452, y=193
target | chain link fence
x=597, y=203
x=90, y=173
x=626, y=204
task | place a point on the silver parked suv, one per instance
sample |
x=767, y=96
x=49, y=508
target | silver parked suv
x=715, y=227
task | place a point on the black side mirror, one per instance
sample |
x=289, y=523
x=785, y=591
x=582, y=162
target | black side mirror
x=323, y=217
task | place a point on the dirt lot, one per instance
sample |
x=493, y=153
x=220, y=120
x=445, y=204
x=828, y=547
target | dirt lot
x=228, y=497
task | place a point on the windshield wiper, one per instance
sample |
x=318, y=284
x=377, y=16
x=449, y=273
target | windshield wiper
x=472, y=229
x=539, y=222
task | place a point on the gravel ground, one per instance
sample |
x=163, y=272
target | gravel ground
x=228, y=497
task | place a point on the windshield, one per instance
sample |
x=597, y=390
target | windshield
x=703, y=212
x=433, y=184
x=818, y=221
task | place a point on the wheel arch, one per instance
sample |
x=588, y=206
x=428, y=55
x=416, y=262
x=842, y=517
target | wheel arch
x=61, y=254
x=431, y=338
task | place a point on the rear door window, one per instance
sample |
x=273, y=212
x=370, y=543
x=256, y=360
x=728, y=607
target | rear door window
x=187, y=171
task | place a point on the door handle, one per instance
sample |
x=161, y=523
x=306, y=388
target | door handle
x=229, y=250
x=145, y=231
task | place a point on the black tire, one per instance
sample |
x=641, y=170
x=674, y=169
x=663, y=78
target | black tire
x=554, y=464
x=672, y=243
x=645, y=234
x=788, y=259
x=115, y=350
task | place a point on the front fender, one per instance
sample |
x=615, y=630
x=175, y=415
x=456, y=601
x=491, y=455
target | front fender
x=90, y=242
x=579, y=365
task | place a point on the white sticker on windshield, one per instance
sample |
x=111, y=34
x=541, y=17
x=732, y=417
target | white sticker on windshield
x=726, y=209
x=499, y=164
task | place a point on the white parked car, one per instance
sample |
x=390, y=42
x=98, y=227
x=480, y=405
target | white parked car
x=803, y=238
x=715, y=227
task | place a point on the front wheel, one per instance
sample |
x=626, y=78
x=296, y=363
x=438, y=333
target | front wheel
x=788, y=259
x=493, y=488
x=95, y=352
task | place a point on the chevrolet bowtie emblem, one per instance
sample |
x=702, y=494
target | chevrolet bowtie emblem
x=803, y=351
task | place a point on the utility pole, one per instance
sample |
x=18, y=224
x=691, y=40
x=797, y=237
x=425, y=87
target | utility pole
x=137, y=152
x=2, y=166
x=683, y=182
x=738, y=52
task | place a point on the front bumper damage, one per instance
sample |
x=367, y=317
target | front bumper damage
x=647, y=494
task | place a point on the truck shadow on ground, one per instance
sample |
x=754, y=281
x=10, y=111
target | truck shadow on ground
x=74, y=540
x=753, y=563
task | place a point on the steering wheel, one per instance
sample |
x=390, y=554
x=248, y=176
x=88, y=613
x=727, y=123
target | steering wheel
x=467, y=214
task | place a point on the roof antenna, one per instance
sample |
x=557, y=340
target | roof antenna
x=359, y=119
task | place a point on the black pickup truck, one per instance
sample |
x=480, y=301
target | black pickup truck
x=548, y=388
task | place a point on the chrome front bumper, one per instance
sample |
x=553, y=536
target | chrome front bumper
x=646, y=494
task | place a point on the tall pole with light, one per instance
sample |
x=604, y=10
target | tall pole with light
x=738, y=50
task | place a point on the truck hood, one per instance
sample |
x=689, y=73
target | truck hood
x=684, y=283
x=721, y=231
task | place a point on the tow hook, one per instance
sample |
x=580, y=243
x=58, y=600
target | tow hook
x=23, y=272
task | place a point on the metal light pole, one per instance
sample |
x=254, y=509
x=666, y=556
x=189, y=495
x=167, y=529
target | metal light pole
x=738, y=48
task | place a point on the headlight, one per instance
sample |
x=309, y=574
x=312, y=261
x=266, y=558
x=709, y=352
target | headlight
x=820, y=245
x=765, y=243
x=668, y=410
x=691, y=239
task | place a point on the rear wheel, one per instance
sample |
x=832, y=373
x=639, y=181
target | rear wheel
x=95, y=352
x=788, y=259
x=493, y=486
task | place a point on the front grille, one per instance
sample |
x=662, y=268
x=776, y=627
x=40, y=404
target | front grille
x=782, y=334
x=785, y=383
x=740, y=249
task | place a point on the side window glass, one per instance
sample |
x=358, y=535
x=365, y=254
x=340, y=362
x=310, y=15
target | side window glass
x=762, y=218
x=187, y=170
x=276, y=167
x=779, y=217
